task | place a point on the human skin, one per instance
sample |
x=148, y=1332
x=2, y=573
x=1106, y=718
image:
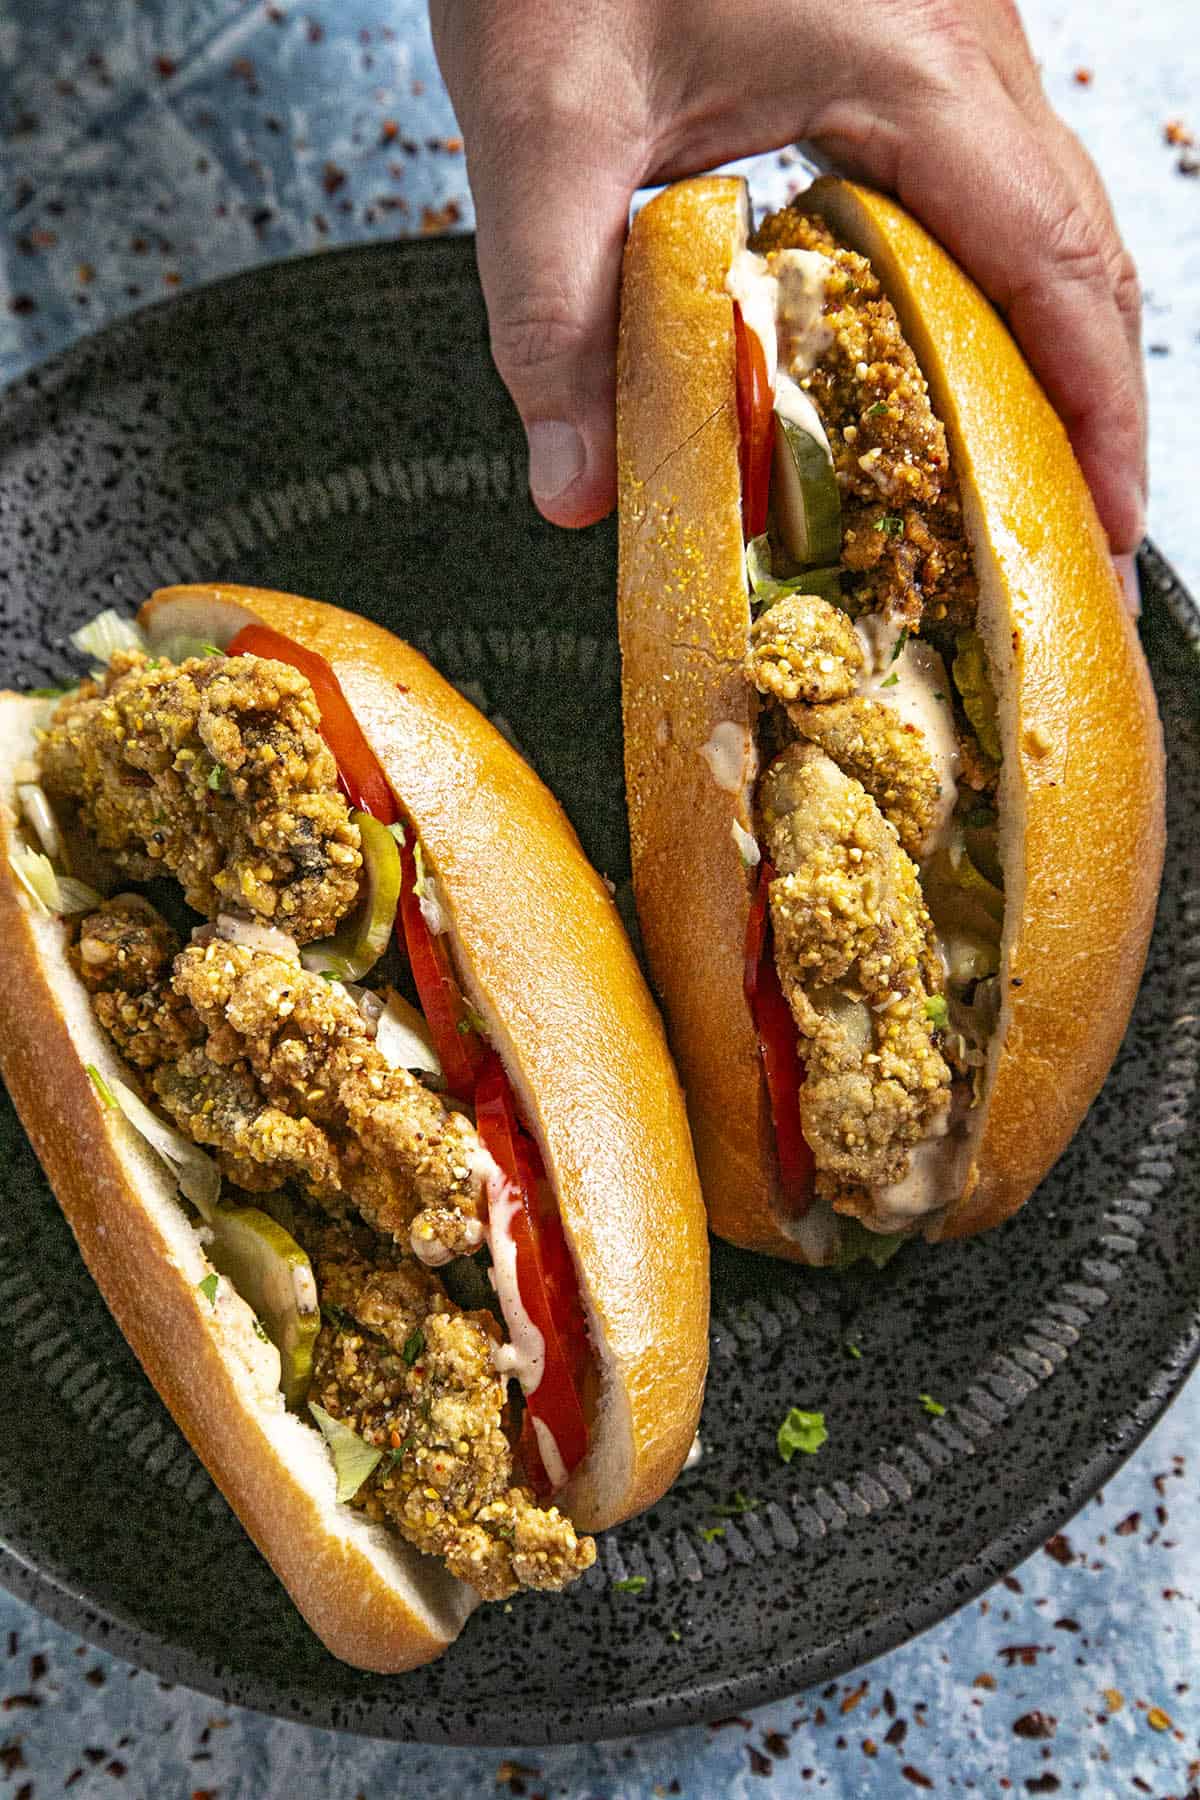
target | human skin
x=567, y=109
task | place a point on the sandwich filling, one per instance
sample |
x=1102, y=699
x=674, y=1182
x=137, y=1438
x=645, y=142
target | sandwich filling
x=302, y=1098
x=874, y=830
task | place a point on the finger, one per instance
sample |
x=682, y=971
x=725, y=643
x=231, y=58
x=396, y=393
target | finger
x=988, y=187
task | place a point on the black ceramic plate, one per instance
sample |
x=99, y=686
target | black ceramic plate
x=334, y=426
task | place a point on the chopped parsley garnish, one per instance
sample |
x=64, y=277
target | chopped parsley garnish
x=891, y=681
x=217, y=776
x=414, y=1343
x=935, y=1011
x=933, y=1407
x=632, y=1584
x=880, y=406
x=737, y=1504
x=899, y=644
x=392, y=1457
x=676, y=1637
x=804, y=1431
x=397, y=832
x=101, y=1086
x=471, y=1021
x=338, y=1317
x=208, y=1287
x=891, y=523
x=259, y=1332
x=854, y=1351
x=212, y=650
x=48, y=693
x=712, y=1532
x=939, y=696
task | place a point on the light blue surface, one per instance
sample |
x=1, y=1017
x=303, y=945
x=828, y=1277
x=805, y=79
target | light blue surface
x=136, y=174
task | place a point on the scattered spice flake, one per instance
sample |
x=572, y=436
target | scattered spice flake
x=1042, y=1784
x=37, y=1666
x=166, y=66
x=453, y=146
x=1114, y=1699
x=1013, y=1585
x=1066, y=1624
x=333, y=178
x=1035, y=1725
x=896, y=1733
x=851, y=1701
x=514, y=1775
x=915, y=1776
x=1188, y=164
x=1082, y=78
x=1158, y=1720
x=1129, y=1524
x=389, y=131
x=12, y=1701
x=889, y=1703
x=1060, y=1548
x=1176, y=132
x=759, y=1764
x=1025, y=1654
x=12, y=1758
x=441, y=218
x=776, y=1743
x=870, y=1747
x=22, y=305
x=315, y=31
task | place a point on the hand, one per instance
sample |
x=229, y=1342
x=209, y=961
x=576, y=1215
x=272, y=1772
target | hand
x=566, y=109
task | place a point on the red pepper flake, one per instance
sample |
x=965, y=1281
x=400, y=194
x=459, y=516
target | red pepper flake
x=889, y=1703
x=776, y=1743
x=1083, y=78
x=13, y=1701
x=1129, y=1524
x=276, y=15
x=205, y=1794
x=453, y=146
x=1176, y=132
x=1143, y=1787
x=166, y=66
x=1060, y=1548
x=915, y=1776
x=759, y=1764
x=1066, y=1624
x=37, y=1666
x=870, y=1747
x=171, y=278
x=93, y=1754
x=435, y=219
x=820, y=1717
x=75, y=1775
x=333, y=178
x=315, y=31
x=12, y=1758
x=897, y=1731
x=116, y=1768
x=513, y=1776
x=1042, y=1784
x=1013, y=1585
x=1025, y=1654
x=22, y=305
x=389, y=131
x=985, y=1681
x=851, y=1701
x=1035, y=1725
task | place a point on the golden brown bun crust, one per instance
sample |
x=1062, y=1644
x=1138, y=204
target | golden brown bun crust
x=1086, y=769
x=363, y=1615
x=1083, y=767
x=684, y=619
x=545, y=959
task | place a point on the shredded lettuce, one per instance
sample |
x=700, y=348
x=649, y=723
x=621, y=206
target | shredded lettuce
x=766, y=588
x=860, y=1245
x=107, y=633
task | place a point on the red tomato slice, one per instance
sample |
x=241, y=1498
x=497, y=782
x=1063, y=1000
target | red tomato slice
x=459, y=1046
x=779, y=1048
x=365, y=782
x=756, y=425
x=545, y=1277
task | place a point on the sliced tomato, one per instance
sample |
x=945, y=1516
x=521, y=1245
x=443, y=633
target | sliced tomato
x=779, y=1048
x=545, y=1277
x=756, y=425
x=365, y=782
x=459, y=1046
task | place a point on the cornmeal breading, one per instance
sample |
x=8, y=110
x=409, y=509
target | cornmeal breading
x=867, y=740
x=213, y=771
x=802, y=648
x=400, y=1364
x=123, y=955
x=855, y=953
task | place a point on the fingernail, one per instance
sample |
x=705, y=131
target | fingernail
x=1126, y=567
x=557, y=457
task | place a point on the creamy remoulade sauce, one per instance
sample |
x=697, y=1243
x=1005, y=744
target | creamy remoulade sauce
x=525, y=1353
x=781, y=298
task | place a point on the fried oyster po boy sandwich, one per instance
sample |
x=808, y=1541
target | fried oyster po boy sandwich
x=887, y=725
x=341, y=1067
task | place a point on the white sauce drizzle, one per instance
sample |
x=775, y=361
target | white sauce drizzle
x=552, y=1462
x=432, y=906
x=525, y=1354
x=726, y=754
x=920, y=676
x=781, y=296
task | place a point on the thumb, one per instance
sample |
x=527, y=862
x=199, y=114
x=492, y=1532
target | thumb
x=550, y=235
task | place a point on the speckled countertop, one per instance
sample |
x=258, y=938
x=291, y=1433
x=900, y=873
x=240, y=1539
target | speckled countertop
x=150, y=146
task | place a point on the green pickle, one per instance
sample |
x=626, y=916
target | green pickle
x=361, y=939
x=973, y=682
x=804, y=489
x=272, y=1274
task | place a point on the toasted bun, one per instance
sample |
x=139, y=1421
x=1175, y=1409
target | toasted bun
x=1081, y=789
x=374, y=1601
x=544, y=959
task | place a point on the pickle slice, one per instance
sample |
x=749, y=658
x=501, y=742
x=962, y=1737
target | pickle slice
x=361, y=940
x=274, y=1277
x=808, y=508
